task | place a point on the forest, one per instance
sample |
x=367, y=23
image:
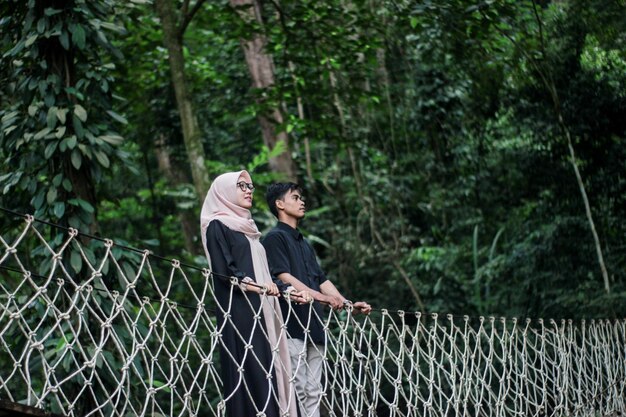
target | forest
x=457, y=156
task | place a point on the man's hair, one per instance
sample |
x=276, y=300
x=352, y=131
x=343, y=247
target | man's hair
x=277, y=191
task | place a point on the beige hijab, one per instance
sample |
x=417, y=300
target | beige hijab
x=221, y=204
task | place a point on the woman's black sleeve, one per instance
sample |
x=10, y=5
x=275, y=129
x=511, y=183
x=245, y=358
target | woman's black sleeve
x=222, y=261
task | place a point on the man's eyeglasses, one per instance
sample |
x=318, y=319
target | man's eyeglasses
x=243, y=186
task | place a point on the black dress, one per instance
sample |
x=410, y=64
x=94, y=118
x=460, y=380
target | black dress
x=247, y=387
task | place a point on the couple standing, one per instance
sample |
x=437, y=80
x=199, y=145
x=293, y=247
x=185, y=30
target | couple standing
x=258, y=357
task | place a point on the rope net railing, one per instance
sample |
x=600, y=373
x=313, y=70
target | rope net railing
x=88, y=328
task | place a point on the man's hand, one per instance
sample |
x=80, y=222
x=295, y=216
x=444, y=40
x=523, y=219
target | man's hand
x=361, y=307
x=332, y=300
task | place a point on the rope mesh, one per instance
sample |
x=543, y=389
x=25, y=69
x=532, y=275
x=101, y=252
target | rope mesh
x=113, y=340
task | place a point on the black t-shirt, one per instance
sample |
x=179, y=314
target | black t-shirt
x=288, y=251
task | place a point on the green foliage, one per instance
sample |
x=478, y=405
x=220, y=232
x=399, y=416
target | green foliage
x=58, y=124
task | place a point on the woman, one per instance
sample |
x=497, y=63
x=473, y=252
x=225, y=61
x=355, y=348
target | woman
x=256, y=379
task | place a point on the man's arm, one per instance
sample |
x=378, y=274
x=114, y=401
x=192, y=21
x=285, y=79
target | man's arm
x=334, y=301
x=329, y=288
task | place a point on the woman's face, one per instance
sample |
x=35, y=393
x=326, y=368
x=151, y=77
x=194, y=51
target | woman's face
x=245, y=192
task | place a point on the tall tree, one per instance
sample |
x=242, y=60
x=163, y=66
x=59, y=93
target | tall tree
x=174, y=26
x=261, y=67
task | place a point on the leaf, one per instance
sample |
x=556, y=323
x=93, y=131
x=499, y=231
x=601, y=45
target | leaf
x=78, y=127
x=61, y=115
x=38, y=200
x=77, y=159
x=102, y=158
x=60, y=132
x=51, y=119
x=85, y=205
x=65, y=41
x=56, y=181
x=71, y=142
x=52, y=146
x=59, y=209
x=51, y=196
x=49, y=11
x=41, y=25
x=413, y=22
x=76, y=261
x=80, y=112
x=78, y=36
x=112, y=139
x=113, y=27
x=117, y=117
x=41, y=133
x=31, y=40
x=278, y=149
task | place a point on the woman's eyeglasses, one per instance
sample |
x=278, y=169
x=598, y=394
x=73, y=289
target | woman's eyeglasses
x=245, y=185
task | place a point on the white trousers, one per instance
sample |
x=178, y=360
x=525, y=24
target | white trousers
x=307, y=362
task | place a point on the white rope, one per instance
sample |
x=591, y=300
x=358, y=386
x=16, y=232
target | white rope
x=116, y=341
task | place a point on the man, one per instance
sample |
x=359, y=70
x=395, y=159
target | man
x=293, y=261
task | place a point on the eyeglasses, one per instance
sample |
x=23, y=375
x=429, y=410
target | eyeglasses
x=243, y=186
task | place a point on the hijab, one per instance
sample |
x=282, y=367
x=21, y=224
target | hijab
x=221, y=204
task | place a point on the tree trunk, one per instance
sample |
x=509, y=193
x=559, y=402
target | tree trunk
x=188, y=220
x=261, y=67
x=172, y=39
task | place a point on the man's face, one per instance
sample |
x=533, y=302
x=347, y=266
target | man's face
x=292, y=205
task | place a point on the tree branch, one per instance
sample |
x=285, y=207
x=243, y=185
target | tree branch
x=188, y=15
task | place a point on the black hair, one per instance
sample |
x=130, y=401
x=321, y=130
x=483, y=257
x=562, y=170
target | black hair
x=277, y=191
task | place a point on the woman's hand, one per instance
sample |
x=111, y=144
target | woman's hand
x=272, y=289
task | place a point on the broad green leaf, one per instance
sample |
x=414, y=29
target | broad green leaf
x=78, y=36
x=80, y=112
x=56, y=181
x=41, y=25
x=38, y=200
x=42, y=133
x=51, y=196
x=112, y=139
x=61, y=115
x=60, y=132
x=31, y=40
x=52, y=117
x=85, y=205
x=117, y=117
x=64, y=40
x=77, y=159
x=78, y=127
x=76, y=261
x=102, y=158
x=50, y=148
x=59, y=209
x=49, y=11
